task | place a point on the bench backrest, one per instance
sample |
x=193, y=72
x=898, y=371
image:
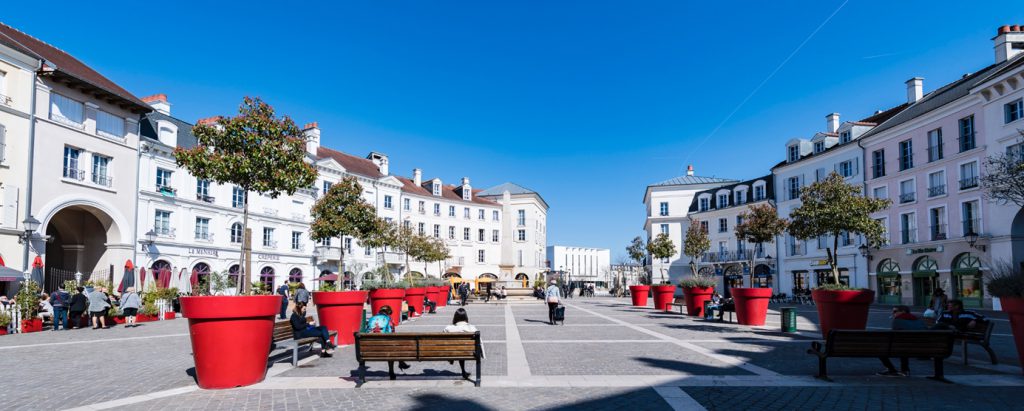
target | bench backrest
x=283, y=330
x=417, y=346
x=857, y=343
x=678, y=300
x=982, y=330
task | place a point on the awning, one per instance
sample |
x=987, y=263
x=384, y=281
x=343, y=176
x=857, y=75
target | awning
x=916, y=274
x=10, y=274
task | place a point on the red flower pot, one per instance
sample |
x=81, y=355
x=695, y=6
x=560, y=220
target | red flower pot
x=391, y=297
x=231, y=337
x=414, y=296
x=842, y=309
x=433, y=293
x=639, y=294
x=119, y=319
x=663, y=295
x=695, y=298
x=3, y=330
x=751, y=304
x=340, y=311
x=170, y=315
x=1014, y=307
x=31, y=326
x=443, y=294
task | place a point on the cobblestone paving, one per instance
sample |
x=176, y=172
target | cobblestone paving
x=856, y=398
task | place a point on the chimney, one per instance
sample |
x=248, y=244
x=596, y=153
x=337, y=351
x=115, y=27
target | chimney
x=1009, y=42
x=311, y=132
x=417, y=177
x=832, y=122
x=689, y=170
x=381, y=160
x=465, y=181
x=915, y=89
x=159, y=103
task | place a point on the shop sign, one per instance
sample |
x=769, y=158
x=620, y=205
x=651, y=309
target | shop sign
x=271, y=257
x=924, y=250
x=819, y=263
x=203, y=251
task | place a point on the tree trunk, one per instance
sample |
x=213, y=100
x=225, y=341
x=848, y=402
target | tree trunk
x=834, y=258
x=341, y=260
x=243, y=284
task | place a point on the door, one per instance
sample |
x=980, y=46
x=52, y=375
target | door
x=889, y=291
x=924, y=287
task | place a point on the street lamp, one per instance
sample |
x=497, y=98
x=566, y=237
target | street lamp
x=865, y=251
x=31, y=225
x=149, y=240
x=972, y=239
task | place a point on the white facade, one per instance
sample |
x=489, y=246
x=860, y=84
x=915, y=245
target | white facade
x=17, y=75
x=582, y=264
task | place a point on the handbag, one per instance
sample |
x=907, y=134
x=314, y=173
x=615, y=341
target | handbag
x=553, y=299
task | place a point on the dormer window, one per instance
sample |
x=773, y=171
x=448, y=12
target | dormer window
x=437, y=188
x=759, y=192
x=704, y=204
x=819, y=146
x=741, y=197
x=467, y=193
x=845, y=137
x=723, y=200
x=792, y=153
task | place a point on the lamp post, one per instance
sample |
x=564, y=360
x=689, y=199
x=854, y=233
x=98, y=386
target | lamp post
x=31, y=225
x=148, y=239
x=972, y=240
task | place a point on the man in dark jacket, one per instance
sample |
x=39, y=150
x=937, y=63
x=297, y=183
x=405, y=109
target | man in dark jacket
x=463, y=292
x=77, y=307
x=60, y=300
x=283, y=292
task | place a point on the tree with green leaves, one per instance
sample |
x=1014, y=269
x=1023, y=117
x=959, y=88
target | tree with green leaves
x=637, y=251
x=438, y=253
x=1004, y=176
x=831, y=207
x=759, y=224
x=383, y=235
x=662, y=247
x=257, y=151
x=406, y=242
x=342, y=212
x=695, y=245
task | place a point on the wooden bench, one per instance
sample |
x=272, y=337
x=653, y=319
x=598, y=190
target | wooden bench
x=284, y=338
x=417, y=347
x=937, y=345
x=676, y=302
x=979, y=335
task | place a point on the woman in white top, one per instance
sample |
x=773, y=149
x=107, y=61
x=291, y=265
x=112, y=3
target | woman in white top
x=460, y=324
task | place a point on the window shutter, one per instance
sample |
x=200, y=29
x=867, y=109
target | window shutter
x=3, y=143
x=9, y=208
x=856, y=165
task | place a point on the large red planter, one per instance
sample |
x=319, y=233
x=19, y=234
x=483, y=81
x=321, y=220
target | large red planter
x=119, y=319
x=695, y=298
x=31, y=326
x=663, y=295
x=842, y=309
x=231, y=337
x=1014, y=307
x=751, y=304
x=433, y=293
x=170, y=315
x=414, y=296
x=638, y=293
x=442, y=295
x=3, y=330
x=391, y=297
x=340, y=311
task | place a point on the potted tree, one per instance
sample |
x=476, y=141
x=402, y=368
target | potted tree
x=697, y=288
x=339, y=213
x=831, y=207
x=760, y=224
x=638, y=292
x=5, y=321
x=1006, y=282
x=28, y=307
x=383, y=292
x=257, y=151
x=662, y=247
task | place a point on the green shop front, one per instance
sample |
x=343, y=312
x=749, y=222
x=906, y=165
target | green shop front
x=926, y=280
x=890, y=290
x=968, y=281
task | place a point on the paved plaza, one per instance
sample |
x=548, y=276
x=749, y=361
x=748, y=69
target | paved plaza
x=608, y=355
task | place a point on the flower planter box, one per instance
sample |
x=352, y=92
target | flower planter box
x=391, y=297
x=751, y=304
x=31, y=326
x=638, y=293
x=433, y=293
x=231, y=336
x=842, y=309
x=695, y=298
x=170, y=315
x=414, y=297
x=340, y=311
x=118, y=319
x=1014, y=308
x=3, y=330
x=443, y=294
x=145, y=318
x=663, y=295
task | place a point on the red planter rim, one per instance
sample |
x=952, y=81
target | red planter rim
x=339, y=297
x=699, y=290
x=640, y=287
x=223, y=306
x=844, y=296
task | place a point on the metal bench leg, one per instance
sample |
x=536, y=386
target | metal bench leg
x=939, y=373
x=477, y=382
x=391, y=370
x=991, y=354
x=362, y=374
x=295, y=356
x=822, y=369
x=905, y=365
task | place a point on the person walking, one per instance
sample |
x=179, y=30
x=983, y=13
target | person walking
x=98, y=305
x=381, y=324
x=77, y=307
x=460, y=324
x=302, y=329
x=283, y=292
x=60, y=300
x=463, y=293
x=302, y=294
x=130, y=303
x=553, y=296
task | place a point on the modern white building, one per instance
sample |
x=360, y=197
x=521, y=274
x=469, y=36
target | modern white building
x=582, y=265
x=668, y=206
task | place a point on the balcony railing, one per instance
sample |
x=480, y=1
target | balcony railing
x=935, y=153
x=74, y=173
x=296, y=245
x=906, y=162
x=309, y=191
x=204, y=198
x=164, y=231
x=103, y=180
x=967, y=142
x=727, y=256
x=969, y=182
x=972, y=226
x=907, y=197
x=938, y=232
x=878, y=170
x=936, y=190
x=166, y=190
x=327, y=253
x=908, y=236
x=204, y=236
x=271, y=244
x=270, y=211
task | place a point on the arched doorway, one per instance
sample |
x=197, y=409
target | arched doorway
x=78, y=237
x=295, y=275
x=235, y=276
x=267, y=278
x=202, y=273
x=161, y=272
x=523, y=279
x=967, y=280
x=889, y=283
x=762, y=276
x=732, y=278
x=925, y=280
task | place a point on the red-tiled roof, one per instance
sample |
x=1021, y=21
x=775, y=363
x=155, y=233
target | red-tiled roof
x=353, y=164
x=448, y=192
x=66, y=64
x=881, y=116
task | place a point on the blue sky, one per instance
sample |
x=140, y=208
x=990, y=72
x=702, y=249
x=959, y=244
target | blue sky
x=585, y=102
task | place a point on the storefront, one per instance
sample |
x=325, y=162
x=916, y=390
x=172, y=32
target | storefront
x=762, y=276
x=732, y=278
x=889, y=282
x=967, y=280
x=926, y=279
x=825, y=276
x=801, y=281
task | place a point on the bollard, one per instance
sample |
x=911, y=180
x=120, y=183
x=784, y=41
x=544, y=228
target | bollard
x=788, y=320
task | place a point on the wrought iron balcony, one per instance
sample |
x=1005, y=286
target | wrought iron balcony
x=938, y=232
x=907, y=197
x=936, y=190
x=969, y=182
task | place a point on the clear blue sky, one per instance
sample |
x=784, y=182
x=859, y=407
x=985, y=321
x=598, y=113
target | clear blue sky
x=586, y=102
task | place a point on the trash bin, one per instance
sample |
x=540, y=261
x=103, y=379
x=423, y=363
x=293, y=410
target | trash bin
x=788, y=320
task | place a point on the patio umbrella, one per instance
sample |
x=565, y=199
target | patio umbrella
x=328, y=277
x=37, y=270
x=193, y=280
x=2, y=261
x=128, y=279
x=184, y=282
x=142, y=278
x=165, y=277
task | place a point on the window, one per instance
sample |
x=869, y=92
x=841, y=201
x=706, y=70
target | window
x=884, y=221
x=663, y=209
x=480, y=214
x=739, y=220
x=422, y=207
x=793, y=185
x=819, y=146
x=906, y=159
x=971, y=217
x=521, y=218
x=907, y=191
x=758, y=193
x=437, y=209
x=451, y=232
x=495, y=215
x=969, y=175
x=236, y=233
x=937, y=223
x=664, y=228
x=203, y=191
x=325, y=242
x=297, y=240
x=480, y=256
x=367, y=250
x=66, y=110
x=845, y=239
x=937, y=183
x=846, y=168
x=967, y=133
x=723, y=200
x=465, y=213
x=100, y=167
x=268, y=237
x=908, y=229
x=844, y=137
x=495, y=236
x=465, y=233
x=406, y=204
x=327, y=186
x=348, y=246
x=521, y=235
x=704, y=203
x=740, y=197
x=406, y=224
x=1016, y=151
x=880, y=192
x=1013, y=110
x=71, y=169
x=237, y=197
x=935, y=145
x=822, y=242
x=792, y=153
x=437, y=231
x=387, y=202
x=421, y=228
x=878, y=163
x=203, y=229
x=437, y=188
x=162, y=223
x=109, y=125
x=163, y=179
x=451, y=211
x=796, y=247
x=704, y=226
x=723, y=225
x=480, y=233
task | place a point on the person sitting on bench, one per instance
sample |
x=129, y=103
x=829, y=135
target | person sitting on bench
x=460, y=324
x=902, y=319
x=957, y=318
x=429, y=306
x=381, y=324
x=302, y=329
x=716, y=303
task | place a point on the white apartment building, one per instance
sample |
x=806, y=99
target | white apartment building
x=719, y=211
x=524, y=231
x=668, y=204
x=582, y=265
x=803, y=263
